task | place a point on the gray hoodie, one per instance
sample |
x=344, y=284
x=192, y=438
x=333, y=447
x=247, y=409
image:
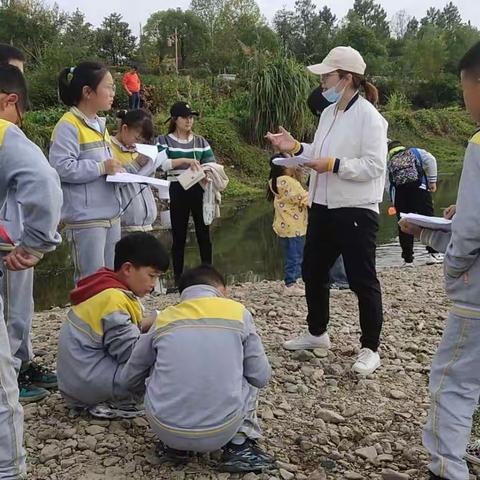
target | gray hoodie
x=462, y=245
x=33, y=190
x=197, y=357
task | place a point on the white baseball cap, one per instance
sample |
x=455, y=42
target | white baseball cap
x=340, y=58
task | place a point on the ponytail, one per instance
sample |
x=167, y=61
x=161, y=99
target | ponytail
x=72, y=80
x=371, y=91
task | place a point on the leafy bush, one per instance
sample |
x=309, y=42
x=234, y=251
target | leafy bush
x=278, y=96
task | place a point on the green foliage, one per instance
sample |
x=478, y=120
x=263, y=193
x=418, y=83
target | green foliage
x=444, y=132
x=115, y=40
x=278, y=92
x=397, y=101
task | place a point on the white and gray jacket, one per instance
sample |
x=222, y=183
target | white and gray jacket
x=357, y=139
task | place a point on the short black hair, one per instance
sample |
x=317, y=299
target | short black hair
x=138, y=119
x=394, y=144
x=316, y=102
x=8, y=53
x=141, y=250
x=204, y=274
x=72, y=80
x=13, y=81
x=470, y=62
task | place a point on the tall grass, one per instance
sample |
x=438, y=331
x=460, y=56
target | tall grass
x=279, y=89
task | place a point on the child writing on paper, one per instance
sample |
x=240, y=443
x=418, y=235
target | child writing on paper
x=138, y=203
x=290, y=220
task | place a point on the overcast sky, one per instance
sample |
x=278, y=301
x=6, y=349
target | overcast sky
x=138, y=11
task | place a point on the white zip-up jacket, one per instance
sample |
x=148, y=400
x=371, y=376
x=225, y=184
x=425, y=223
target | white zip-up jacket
x=357, y=139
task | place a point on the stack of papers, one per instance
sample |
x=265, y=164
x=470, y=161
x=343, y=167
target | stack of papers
x=161, y=185
x=432, y=223
x=291, y=161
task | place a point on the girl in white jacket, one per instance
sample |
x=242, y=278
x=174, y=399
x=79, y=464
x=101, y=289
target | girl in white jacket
x=348, y=161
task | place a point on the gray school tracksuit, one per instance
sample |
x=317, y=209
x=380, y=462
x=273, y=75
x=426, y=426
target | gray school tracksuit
x=92, y=206
x=23, y=167
x=16, y=287
x=94, y=344
x=139, y=209
x=204, y=361
x=454, y=377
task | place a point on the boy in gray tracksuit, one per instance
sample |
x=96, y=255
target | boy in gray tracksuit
x=24, y=170
x=205, y=363
x=17, y=287
x=454, y=378
x=103, y=325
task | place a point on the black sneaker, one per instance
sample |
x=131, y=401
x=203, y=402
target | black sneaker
x=171, y=455
x=247, y=457
x=38, y=376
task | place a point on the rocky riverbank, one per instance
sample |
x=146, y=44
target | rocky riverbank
x=319, y=419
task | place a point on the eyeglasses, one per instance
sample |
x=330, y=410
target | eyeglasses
x=326, y=76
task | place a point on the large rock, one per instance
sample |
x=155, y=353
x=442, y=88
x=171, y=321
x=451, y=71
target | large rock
x=329, y=416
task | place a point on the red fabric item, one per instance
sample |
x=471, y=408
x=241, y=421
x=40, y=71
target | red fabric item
x=4, y=236
x=90, y=286
x=131, y=82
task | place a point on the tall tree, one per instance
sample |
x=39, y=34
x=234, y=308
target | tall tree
x=157, y=37
x=115, y=40
x=371, y=15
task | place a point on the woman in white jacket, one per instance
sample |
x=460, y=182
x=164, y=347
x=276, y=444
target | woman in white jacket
x=348, y=159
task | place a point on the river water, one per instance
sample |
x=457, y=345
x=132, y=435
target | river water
x=245, y=246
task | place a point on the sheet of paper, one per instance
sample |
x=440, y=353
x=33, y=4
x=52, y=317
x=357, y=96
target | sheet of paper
x=432, y=223
x=161, y=185
x=150, y=151
x=291, y=161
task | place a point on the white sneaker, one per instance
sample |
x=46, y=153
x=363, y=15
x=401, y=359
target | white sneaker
x=367, y=362
x=434, y=258
x=294, y=290
x=408, y=265
x=307, y=341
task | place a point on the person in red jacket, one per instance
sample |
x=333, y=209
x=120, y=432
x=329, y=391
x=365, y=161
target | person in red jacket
x=131, y=84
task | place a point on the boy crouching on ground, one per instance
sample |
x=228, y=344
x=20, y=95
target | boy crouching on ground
x=103, y=325
x=205, y=362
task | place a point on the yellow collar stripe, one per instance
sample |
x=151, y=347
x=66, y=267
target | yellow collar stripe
x=476, y=138
x=112, y=300
x=4, y=126
x=85, y=133
x=201, y=308
x=123, y=157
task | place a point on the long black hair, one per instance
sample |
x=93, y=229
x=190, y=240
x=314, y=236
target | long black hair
x=72, y=80
x=275, y=172
x=138, y=119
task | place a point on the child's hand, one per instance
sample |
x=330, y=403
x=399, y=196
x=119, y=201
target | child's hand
x=20, y=259
x=432, y=188
x=148, y=321
x=449, y=212
x=410, y=228
x=282, y=141
x=113, y=166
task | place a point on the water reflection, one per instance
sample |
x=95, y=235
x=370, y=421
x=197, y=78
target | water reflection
x=245, y=247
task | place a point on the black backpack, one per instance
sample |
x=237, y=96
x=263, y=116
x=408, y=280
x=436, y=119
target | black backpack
x=405, y=168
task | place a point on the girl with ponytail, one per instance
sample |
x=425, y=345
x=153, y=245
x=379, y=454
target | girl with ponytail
x=81, y=153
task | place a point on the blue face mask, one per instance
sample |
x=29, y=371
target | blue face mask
x=332, y=95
